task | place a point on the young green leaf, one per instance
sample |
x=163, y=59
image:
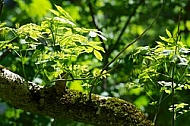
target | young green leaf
x=98, y=55
x=54, y=12
x=63, y=12
x=164, y=39
x=168, y=33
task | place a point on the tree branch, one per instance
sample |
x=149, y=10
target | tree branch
x=72, y=104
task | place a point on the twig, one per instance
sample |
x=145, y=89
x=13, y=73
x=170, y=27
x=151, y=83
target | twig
x=134, y=41
x=7, y=51
x=173, y=69
x=158, y=108
x=124, y=28
x=127, y=46
x=95, y=23
x=73, y=79
x=1, y=6
x=103, y=44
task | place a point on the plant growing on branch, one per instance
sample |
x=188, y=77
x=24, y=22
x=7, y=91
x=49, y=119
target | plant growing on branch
x=55, y=46
x=164, y=68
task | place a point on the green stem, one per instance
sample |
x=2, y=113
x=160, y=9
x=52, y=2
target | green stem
x=158, y=108
x=134, y=41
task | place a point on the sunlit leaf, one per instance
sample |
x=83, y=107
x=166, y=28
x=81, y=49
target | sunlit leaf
x=168, y=91
x=184, y=50
x=63, y=12
x=154, y=103
x=178, y=88
x=89, y=49
x=2, y=24
x=36, y=9
x=101, y=36
x=187, y=24
x=99, y=48
x=96, y=72
x=98, y=55
x=92, y=34
x=55, y=12
x=86, y=85
x=181, y=105
x=141, y=101
x=62, y=20
x=94, y=43
x=186, y=86
x=76, y=85
x=160, y=43
x=168, y=33
x=164, y=39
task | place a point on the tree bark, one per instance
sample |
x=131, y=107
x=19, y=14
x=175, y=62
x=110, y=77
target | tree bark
x=73, y=105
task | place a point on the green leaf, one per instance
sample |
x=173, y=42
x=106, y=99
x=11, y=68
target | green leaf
x=161, y=44
x=95, y=33
x=2, y=24
x=141, y=101
x=89, y=49
x=63, y=12
x=164, y=39
x=95, y=46
x=94, y=43
x=99, y=48
x=168, y=91
x=98, y=55
x=64, y=21
x=181, y=105
x=101, y=36
x=168, y=33
x=36, y=8
x=86, y=85
x=92, y=34
x=76, y=85
x=54, y=12
x=153, y=103
x=187, y=86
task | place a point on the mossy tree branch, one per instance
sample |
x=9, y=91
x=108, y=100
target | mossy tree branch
x=72, y=104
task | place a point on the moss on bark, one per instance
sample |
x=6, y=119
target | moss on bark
x=72, y=104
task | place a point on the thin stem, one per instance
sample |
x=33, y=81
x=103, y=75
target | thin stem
x=134, y=41
x=1, y=6
x=158, y=109
x=124, y=28
x=23, y=67
x=127, y=46
x=173, y=107
x=92, y=13
x=5, y=53
x=92, y=86
x=53, y=37
x=173, y=69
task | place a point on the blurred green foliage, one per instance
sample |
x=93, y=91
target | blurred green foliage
x=143, y=72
